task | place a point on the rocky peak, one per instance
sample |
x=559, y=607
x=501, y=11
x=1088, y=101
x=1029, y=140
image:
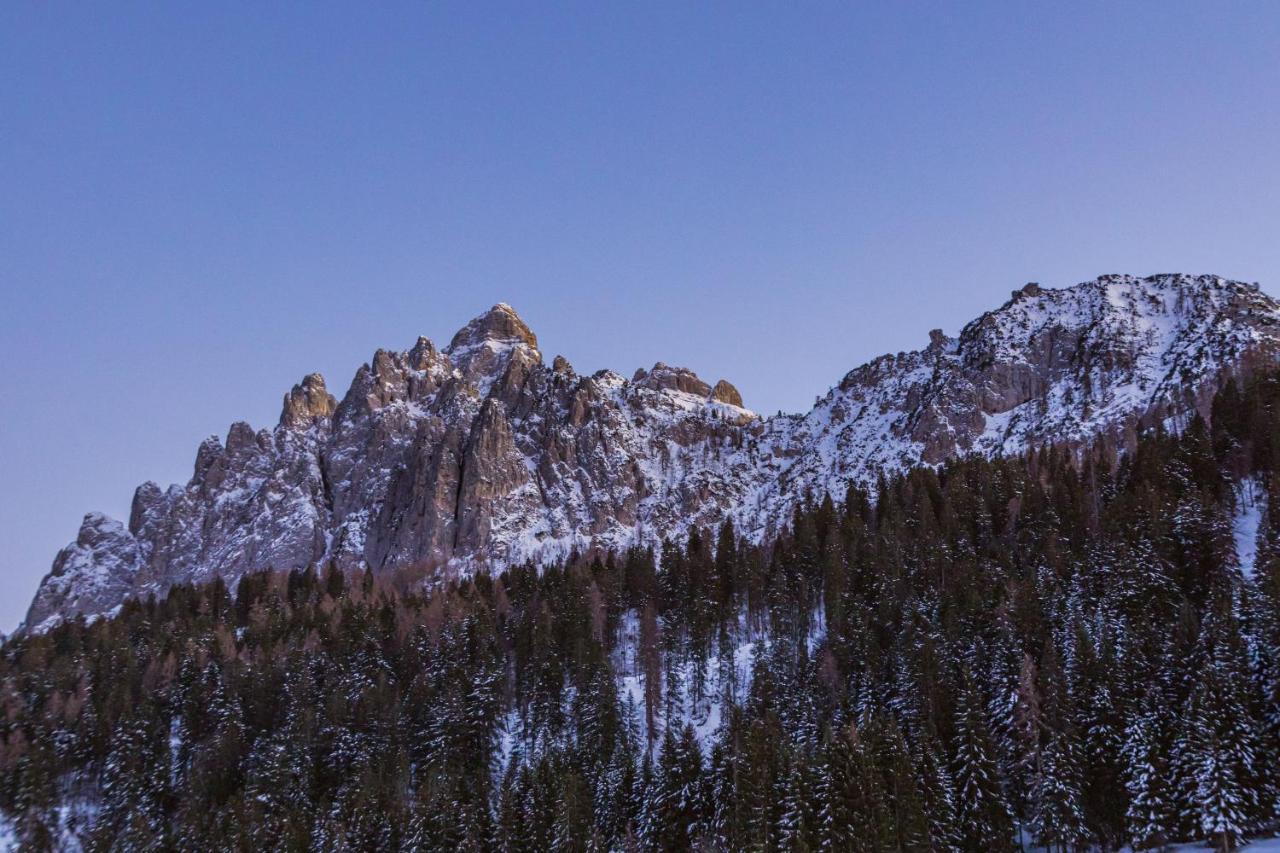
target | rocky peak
x=307, y=401
x=1031, y=288
x=724, y=392
x=483, y=348
x=937, y=340
x=99, y=567
x=663, y=376
x=499, y=325
x=423, y=354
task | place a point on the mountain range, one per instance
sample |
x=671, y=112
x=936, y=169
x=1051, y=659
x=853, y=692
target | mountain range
x=481, y=455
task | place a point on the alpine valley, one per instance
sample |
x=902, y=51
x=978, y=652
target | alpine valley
x=1017, y=589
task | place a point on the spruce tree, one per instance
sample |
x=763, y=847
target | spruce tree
x=983, y=812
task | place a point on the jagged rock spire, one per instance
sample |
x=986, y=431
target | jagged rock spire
x=308, y=400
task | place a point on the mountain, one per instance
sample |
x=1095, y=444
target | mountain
x=481, y=455
x=1072, y=648
x=1051, y=651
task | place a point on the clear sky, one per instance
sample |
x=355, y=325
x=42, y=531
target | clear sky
x=199, y=203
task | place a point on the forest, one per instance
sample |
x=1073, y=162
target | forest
x=1077, y=648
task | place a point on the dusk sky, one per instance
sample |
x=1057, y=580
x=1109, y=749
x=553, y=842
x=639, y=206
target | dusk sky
x=200, y=203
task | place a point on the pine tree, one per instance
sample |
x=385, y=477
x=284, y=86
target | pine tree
x=1220, y=734
x=134, y=786
x=679, y=814
x=983, y=812
x=797, y=827
x=1151, y=816
x=937, y=795
x=854, y=813
x=1058, y=819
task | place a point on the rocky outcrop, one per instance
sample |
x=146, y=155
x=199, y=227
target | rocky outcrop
x=480, y=455
x=307, y=402
x=672, y=378
x=91, y=575
x=724, y=392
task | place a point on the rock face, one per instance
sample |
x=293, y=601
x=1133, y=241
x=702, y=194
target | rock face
x=480, y=455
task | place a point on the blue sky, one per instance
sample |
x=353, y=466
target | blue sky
x=202, y=202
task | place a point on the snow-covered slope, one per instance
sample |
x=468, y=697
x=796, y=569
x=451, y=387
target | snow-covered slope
x=1101, y=359
x=481, y=454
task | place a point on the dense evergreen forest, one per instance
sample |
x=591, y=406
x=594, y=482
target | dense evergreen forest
x=1065, y=647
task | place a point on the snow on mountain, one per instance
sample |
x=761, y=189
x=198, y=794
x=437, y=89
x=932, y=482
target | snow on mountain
x=481, y=455
x=1101, y=359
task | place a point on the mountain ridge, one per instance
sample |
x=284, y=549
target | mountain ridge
x=482, y=455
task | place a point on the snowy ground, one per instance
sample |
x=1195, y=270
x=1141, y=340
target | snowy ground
x=704, y=714
x=1251, y=502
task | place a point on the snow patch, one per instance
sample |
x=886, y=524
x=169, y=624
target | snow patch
x=1251, y=503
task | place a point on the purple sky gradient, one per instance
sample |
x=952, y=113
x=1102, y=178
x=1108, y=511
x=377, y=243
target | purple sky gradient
x=202, y=202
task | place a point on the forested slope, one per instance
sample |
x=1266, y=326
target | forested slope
x=1066, y=646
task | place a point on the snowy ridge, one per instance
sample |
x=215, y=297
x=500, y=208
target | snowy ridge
x=481, y=455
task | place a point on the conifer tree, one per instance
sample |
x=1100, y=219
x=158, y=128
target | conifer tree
x=983, y=812
x=1151, y=815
